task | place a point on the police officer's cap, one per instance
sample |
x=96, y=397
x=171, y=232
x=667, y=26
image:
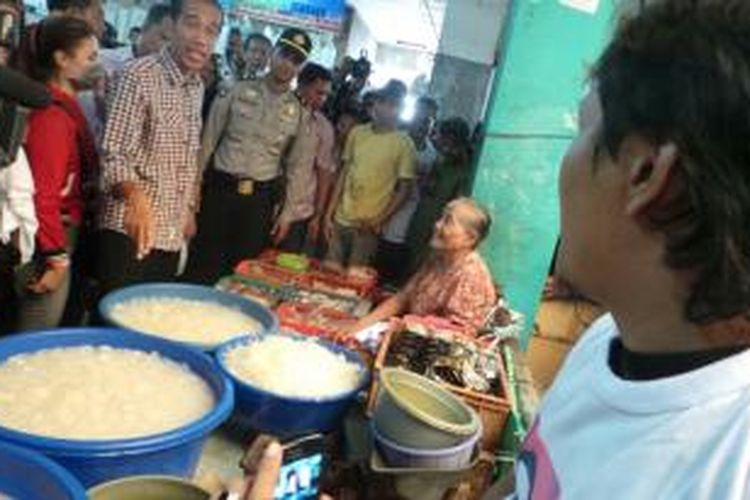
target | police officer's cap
x=296, y=40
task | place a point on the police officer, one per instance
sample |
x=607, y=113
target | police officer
x=246, y=141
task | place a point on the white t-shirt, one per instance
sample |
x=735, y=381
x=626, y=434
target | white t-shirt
x=17, y=210
x=397, y=227
x=598, y=436
x=114, y=60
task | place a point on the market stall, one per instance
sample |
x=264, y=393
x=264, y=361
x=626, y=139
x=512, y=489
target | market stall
x=469, y=365
x=415, y=408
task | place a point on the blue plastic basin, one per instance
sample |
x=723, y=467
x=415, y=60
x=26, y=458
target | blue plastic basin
x=285, y=416
x=450, y=458
x=92, y=462
x=268, y=320
x=27, y=474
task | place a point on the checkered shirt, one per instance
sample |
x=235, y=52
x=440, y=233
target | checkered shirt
x=152, y=137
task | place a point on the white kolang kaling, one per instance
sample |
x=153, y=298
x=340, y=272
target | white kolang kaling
x=184, y=320
x=296, y=368
x=98, y=393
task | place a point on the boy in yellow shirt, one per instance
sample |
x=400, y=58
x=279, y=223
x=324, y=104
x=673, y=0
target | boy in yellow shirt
x=378, y=171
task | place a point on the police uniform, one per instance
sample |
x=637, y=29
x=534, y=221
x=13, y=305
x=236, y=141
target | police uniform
x=246, y=140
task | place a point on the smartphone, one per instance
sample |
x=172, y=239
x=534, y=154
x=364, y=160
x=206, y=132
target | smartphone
x=304, y=460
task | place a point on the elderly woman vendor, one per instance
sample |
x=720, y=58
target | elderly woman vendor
x=454, y=283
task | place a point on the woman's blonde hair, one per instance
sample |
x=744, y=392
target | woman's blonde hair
x=477, y=220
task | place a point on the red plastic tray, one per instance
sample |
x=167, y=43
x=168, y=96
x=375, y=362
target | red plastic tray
x=269, y=273
x=314, y=320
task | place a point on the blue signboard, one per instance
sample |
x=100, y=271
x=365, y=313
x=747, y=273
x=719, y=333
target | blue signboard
x=322, y=14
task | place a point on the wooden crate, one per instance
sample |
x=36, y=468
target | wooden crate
x=493, y=410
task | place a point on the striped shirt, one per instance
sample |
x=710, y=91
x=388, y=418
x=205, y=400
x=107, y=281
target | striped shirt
x=152, y=137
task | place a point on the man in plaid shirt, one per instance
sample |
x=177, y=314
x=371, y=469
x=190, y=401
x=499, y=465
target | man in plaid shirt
x=151, y=142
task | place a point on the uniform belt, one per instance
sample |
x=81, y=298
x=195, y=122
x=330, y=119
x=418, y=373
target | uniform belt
x=240, y=185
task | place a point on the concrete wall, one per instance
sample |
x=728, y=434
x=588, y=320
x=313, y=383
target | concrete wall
x=471, y=29
x=530, y=122
x=467, y=57
x=460, y=86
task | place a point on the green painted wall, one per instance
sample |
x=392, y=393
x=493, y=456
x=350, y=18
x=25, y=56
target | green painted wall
x=531, y=119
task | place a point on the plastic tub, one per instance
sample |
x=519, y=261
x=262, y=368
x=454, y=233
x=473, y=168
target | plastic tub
x=149, y=488
x=174, y=453
x=416, y=412
x=455, y=457
x=285, y=416
x=259, y=312
x=27, y=474
x=421, y=484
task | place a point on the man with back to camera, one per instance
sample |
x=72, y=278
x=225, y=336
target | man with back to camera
x=246, y=143
x=654, y=400
x=150, y=172
x=257, y=52
x=311, y=167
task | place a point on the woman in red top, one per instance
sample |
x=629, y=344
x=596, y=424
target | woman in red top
x=60, y=149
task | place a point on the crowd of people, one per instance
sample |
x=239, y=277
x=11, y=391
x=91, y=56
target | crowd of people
x=163, y=159
x=654, y=202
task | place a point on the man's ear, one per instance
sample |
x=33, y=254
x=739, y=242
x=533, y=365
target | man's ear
x=649, y=176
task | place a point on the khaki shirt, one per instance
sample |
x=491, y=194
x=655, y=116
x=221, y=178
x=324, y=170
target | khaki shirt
x=311, y=155
x=249, y=131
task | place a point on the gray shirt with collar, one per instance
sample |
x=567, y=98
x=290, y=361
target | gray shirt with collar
x=249, y=131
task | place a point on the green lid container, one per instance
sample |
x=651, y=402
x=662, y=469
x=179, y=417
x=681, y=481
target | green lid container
x=416, y=412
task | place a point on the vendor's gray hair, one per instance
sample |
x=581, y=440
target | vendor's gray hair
x=478, y=222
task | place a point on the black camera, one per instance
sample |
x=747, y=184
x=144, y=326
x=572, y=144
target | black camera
x=18, y=94
x=361, y=68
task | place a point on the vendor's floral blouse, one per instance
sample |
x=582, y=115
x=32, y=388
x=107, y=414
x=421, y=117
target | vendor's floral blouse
x=463, y=293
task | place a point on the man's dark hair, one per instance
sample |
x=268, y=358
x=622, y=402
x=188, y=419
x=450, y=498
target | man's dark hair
x=176, y=7
x=260, y=37
x=369, y=98
x=680, y=72
x=456, y=130
x=311, y=73
x=63, y=5
x=395, y=88
x=354, y=109
x=156, y=15
x=428, y=102
x=137, y=29
x=109, y=39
